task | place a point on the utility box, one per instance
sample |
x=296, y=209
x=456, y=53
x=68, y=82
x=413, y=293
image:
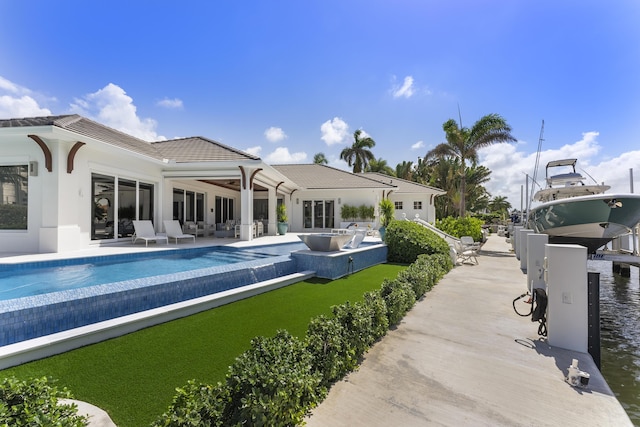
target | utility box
x=514, y=240
x=522, y=242
x=535, y=260
x=567, y=309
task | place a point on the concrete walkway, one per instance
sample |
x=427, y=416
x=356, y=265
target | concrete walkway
x=462, y=357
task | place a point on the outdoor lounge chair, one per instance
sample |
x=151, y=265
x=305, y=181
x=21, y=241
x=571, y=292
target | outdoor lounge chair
x=467, y=250
x=144, y=231
x=174, y=231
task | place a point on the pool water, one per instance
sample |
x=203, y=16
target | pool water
x=41, y=278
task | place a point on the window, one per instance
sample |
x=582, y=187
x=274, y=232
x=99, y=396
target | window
x=133, y=199
x=398, y=206
x=224, y=209
x=188, y=205
x=417, y=205
x=318, y=213
x=14, y=183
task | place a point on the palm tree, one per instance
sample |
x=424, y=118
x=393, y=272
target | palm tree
x=320, y=159
x=463, y=143
x=359, y=155
x=380, y=165
x=404, y=170
x=501, y=205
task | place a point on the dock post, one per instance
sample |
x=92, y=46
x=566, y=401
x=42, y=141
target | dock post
x=567, y=317
x=522, y=242
x=535, y=260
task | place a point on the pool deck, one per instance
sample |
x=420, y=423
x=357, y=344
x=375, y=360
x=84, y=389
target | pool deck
x=462, y=357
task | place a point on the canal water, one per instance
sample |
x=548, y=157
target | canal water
x=620, y=334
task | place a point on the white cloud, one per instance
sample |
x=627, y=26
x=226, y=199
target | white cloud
x=418, y=145
x=255, y=151
x=172, y=104
x=112, y=107
x=274, y=134
x=282, y=155
x=334, y=131
x=406, y=90
x=17, y=101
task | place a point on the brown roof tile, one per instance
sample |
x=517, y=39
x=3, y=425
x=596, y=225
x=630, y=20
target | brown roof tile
x=318, y=177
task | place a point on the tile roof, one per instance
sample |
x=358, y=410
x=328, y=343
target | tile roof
x=196, y=149
x=402, y=185
x=199, y=149
x=321, y=177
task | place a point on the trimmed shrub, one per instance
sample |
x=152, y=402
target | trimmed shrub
x=332, y=355
x=272, y=383
x=376, y=308
x=406, y=240
x=196, y=405
x=36, y=403
x=458, y=227
x=357, y=326
x=399, y=298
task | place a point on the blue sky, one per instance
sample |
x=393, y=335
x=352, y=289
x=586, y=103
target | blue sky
x=286, y=79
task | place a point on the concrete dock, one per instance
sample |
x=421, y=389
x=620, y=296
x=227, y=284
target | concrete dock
x=462, y=357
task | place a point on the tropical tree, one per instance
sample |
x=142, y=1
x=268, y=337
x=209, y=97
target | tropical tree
x=359, y=154
x=404, y=170
x=500, y=205
x=463, y=144
x=320, y=159
x=380, y=165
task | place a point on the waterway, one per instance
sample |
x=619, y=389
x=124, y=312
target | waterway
x=620, y=335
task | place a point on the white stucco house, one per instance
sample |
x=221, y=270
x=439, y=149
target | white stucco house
x=67, y=183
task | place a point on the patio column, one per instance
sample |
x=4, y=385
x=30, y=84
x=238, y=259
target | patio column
x=246, y=203
x=273, y=220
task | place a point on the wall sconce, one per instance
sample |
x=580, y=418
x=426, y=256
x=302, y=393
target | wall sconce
x=339, y=201
x=297, y=201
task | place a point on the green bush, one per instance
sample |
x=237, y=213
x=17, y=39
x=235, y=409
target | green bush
x=36, y=403
x=272, y=383
x=196, y=405
x=357, y=326
x=279, y=380
x=333, y=356
x=366, y=213
x=399, y=298
x=406, y=240
x=458, y=227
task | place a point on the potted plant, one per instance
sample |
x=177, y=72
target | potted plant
x=283, y=226
x=387, y=211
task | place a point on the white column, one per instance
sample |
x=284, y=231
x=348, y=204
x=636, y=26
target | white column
x=246, y=207
x=273, y=216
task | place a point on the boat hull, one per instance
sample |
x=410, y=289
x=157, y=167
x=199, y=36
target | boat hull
x=590, y=221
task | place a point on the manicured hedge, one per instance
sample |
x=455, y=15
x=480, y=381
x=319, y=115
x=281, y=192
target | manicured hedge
x=406, y=240
x=279, y=380
x=36, y=403
x=458, y=227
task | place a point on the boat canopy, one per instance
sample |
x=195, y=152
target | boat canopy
x=565, y=162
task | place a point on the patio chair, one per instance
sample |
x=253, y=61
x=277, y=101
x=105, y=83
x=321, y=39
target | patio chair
x=144, y=231
x=174, y=231
x=467, y=250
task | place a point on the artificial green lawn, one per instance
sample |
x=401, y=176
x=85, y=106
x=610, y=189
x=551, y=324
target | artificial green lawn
x=134, y=377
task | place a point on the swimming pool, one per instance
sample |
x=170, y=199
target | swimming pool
x=29, y=279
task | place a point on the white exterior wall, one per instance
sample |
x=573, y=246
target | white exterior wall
x=427, y=213
x=370, y=197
